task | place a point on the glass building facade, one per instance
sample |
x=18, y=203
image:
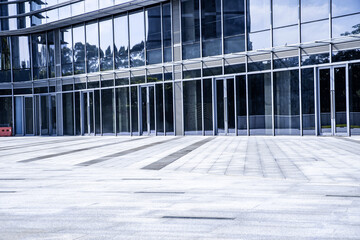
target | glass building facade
x=180, y=67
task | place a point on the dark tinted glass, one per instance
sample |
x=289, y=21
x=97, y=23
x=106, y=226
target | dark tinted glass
x=51, y=52
x=192, y=107
x=5, y=59
x=108, y=103
x=21, y=58
x=66, y=51
x=354, y=83
x=39, y=55
x=153, y=35
x=167, y=32
x=190, y=28
x=211, y=27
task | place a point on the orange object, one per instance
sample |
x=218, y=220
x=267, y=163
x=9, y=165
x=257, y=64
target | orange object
x=5, y=131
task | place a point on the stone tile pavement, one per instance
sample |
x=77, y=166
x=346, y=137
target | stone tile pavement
x=200, y=188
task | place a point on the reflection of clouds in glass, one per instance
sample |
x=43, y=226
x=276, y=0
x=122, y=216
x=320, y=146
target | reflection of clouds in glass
x=285, y=12
x=286, y=36
x=311, y=32
x=106, y=38
x=346, y=25
x=259, y=15
x=260, y=40
x=314, y=10
x=342, y=7
x=136, y=28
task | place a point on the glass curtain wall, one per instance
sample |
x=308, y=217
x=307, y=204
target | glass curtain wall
x=108, y=106
x=208, y=106
x=354, y=82
x=190, y=29
x=92, y=47
x=123, y=111
x=159, y=109
x=166, y=23
x=66, y=51
x=68, y=113
x=5, y=66
x=137, y=39
x=192, y=107
x=134, y=111
x=169, y=109
x=286, y=103
x=241, y=111
x=6, y=112
x=106, y=45
x=39, y=56
x=308, y=101
x=51, y=53
x=20, y=46
x=211, y=27
x=121, y=44
x=153, y=35
x=234, y=26
x=260, y=104
x=79, y=49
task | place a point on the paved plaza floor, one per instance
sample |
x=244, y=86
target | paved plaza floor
x=180, y=188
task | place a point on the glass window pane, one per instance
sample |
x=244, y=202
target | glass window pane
x=106, y=45
x=159, y=109
x=311, y=32
x=51, y=52
x=68, y=113
x=91, y=5
x=108, y=116
x=241, y=111
x=190, y=28
x=314, y=10
x=285, y=12
x=308, y=101
x=343, y=7
x=286, y=36
x=207, y=101
x=153, y=35
x=167, y=32
x=345, y=26
x=5, y=75
x=260, y=104
x=234, y=44
x=137, y=39
x=134, y=111
x=77, y=8
x=21, y=58
x=39, y=55
x=66, y=51
x=106, y=3
x=258, y=12
x=354, y=82
x=92, y=47
x=211, y=27
x=6, y=111
x=169, y=109
x=121, y=37
x=123, y=111
x=79, y=49
x=234, y=18
x=286, y=103
x=259, y=40
x=192, y=107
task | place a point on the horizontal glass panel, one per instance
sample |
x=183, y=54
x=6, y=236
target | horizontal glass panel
x=343, y=7
x=345, y=26
x=258, y=12
x=286, y=36
x=285, y=12
x=259, y=40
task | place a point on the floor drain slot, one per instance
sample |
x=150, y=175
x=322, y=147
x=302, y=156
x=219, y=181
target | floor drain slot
x=141, y=179
x=199, y=218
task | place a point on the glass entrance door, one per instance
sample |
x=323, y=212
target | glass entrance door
x=87, y=113
x=46, y=120
x=225, y=106
x=147, y=112
x=333, y=101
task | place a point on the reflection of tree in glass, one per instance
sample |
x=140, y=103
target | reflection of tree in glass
x=356, y=31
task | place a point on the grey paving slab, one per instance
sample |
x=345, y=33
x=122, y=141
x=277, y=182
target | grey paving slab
x=224, y=188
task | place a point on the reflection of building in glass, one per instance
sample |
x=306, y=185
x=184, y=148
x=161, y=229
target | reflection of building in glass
x=205, y=67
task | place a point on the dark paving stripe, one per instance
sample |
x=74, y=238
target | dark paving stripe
x=199, y=218
x=7, y=191
x=12, y=179
x=161, y=192
x=74, y=151
x=347, y=196
x=39, y=144
x=141, y=179
x=122, y=153
x=176, y=155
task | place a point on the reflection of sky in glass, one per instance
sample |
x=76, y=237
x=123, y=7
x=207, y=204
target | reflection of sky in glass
x=311, y=32
x=77, y=8
x=342, y=7
x=23, y=53
x=314, y=10
x=92, y=34
x=106, y=3
x=120, y=32
x=260, y=40
x=91, y=5
x=286, y=36
x=106, y=38
x=346, y=25
x=285, y=12
x=259, y=15
x=136, y=28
